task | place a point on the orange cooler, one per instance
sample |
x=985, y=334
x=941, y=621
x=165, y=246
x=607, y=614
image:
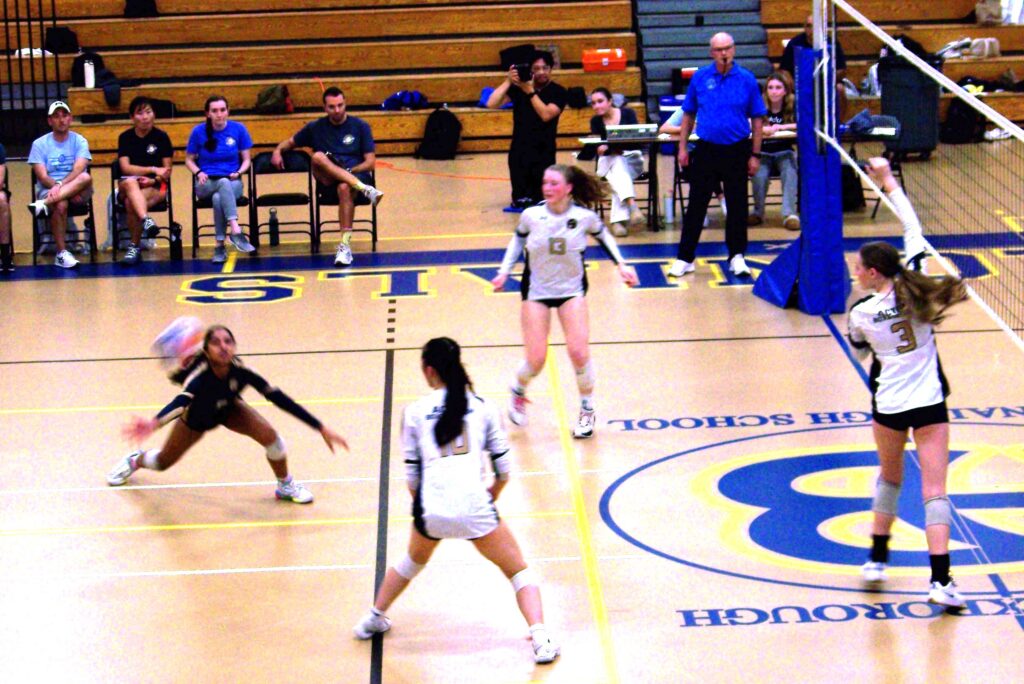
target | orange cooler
x=604, y=59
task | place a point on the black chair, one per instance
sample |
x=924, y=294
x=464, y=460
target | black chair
x=41, y=227
x=328, y=195
x=208, y=229
x=164, y=206
x=295, y=162
x=644, y=203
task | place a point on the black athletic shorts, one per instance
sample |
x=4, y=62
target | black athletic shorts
x=553, y=302
x=914, y=418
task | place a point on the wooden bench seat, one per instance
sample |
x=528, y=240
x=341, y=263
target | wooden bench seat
x=858, y=42
x=1010, y=105
x=115, y=8
x=306, y=93
x=394, y=132
x=793, y=12
x=347, y=24
x=221, y=63
x=955, y=69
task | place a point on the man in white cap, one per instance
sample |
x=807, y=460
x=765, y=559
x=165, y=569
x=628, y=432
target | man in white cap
x=60, y=160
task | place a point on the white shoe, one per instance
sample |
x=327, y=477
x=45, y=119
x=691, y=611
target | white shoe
x=584, y=425
x=545, y=651
x=240, y=241
x=680, y=268
x=343, y=257
x=725, y=209
x=873, y=572
x=39, y=208
x=946, y=595
x=636, y=217
x=124, y=469
x=619, y=229
x=792, y=222
x=65, y=259
x=371, y=624
x=294, y=492
x=517, y=408
x=373, y=194
x=738, y=266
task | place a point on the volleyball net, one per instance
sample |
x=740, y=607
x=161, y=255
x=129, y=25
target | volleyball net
x=969, y=197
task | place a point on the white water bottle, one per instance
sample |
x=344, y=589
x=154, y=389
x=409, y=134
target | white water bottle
x=669, y=212
x=89, y=72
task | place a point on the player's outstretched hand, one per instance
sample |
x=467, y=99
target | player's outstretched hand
x=498, y=281
x=331, y=438
x=138, y=429
x=628, y=275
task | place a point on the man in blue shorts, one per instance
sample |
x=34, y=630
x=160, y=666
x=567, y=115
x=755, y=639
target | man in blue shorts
x=343, y=156
x=60, y=161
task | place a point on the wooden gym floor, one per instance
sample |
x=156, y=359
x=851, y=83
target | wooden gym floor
x=712, y=529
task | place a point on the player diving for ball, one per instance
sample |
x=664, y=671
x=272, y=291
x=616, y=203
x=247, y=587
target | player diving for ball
x=212, y=384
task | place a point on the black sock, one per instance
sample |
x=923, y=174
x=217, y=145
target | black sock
x=880, y=548
x=940, y=568
x=6, y=256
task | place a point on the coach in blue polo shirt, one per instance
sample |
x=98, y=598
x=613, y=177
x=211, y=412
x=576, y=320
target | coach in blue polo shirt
x=725, y=100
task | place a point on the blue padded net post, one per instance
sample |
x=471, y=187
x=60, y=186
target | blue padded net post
x=813, y=267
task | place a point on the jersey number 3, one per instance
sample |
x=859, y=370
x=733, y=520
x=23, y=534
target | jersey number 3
x=906, y=333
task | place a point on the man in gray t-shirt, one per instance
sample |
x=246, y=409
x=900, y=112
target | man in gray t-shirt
x=60, y=161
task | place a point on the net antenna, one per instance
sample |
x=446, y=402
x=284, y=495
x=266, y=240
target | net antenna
x=1001, y=301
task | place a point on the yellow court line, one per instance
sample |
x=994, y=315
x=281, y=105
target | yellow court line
x=155, y=407
x=572, y=468
x=229, y=265
x=249, y=524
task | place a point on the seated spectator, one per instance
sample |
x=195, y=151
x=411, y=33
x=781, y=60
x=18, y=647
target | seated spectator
x=777, y=154
x=343, y=156
x=144, y=153
x=673, y=126
x=616, y=165
x=60, y=161
x=805, y=40
x=217, y=154
x=6, y=248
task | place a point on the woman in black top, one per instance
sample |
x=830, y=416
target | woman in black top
x=616, y=165
x=212, y=384
x=777, y=153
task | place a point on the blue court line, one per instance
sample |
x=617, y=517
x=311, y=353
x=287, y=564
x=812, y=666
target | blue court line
x=449, y=257
x=996, y=580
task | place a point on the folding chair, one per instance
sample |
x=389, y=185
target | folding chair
x=328, y=194
x=295, y=162
x=164, y=206
x=41, y=227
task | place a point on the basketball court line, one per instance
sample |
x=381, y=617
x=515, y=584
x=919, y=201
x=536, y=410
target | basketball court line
x=381, y=555
x=594, y=590
x=238, y=525
x=206, y=572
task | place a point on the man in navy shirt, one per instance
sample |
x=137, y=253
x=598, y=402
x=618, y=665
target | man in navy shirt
x=343, y=156
x=725, y=101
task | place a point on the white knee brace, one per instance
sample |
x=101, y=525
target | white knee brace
x=938, y=511
x=276, y=451
x=887, y=496
x=523, y=578
x=408, y=568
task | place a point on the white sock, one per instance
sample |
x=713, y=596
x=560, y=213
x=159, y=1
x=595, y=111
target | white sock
x=150, y=460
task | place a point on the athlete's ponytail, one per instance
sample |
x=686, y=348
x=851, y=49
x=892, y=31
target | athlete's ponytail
x=587, y=189
x=444, y=356
x=921, y=297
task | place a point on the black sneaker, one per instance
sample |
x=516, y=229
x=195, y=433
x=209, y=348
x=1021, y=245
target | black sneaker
x=132, y=256
x=149, y=228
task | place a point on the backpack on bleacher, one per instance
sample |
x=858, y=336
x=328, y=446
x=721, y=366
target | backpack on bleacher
x=441, y=135
x=274, y=99
x=137, y=9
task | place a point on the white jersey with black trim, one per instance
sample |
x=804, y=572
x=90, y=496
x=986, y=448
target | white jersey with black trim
x=906, y=373
x=555, y=244
x=451, y=479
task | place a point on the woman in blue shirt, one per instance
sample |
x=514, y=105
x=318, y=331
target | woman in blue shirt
x=218, y=156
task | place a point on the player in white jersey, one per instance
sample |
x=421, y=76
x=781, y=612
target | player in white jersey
x=895, y=324
x=554, y=237
x=446, y=437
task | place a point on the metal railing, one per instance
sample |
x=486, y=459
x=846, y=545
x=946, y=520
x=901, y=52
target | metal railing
x=32, y=74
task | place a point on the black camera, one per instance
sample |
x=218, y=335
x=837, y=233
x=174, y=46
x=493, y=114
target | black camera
x=525, y=72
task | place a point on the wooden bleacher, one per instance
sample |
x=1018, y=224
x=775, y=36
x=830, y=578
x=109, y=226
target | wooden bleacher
x=785, y=20
x=446, y=49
